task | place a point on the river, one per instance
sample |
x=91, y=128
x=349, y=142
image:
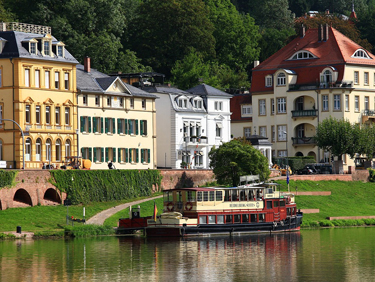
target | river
x=338, y=254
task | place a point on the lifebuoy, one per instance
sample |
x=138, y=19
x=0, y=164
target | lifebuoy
x=170, y=206
x=188, y=206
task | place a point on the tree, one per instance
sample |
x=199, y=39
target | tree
x=236, y=35
x=273, y=40
x=237, y=158
x=164, y=32
x=366, y=25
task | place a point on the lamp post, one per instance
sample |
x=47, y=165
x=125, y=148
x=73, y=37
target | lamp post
x=23, y=138
x=286, y=158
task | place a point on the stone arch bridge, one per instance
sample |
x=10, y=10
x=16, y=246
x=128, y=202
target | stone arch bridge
x=32, y=189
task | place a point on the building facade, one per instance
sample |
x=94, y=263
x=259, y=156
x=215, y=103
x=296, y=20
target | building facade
x=37, y=92
x=116, y=121
x=319, y=74
x=189, y=124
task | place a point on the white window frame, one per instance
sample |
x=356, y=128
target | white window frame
x=356, y=77
x=37, y=114
x=325, y=105
x=337, y=102
x=263, y=131
x=281, y=135
x=37, y=78
x=281, y=79
x=262, y=107
x=67, y=116
x=268, y=81
x=281, y=105
x=47, y=79
x=27, y=77
x=356, y=103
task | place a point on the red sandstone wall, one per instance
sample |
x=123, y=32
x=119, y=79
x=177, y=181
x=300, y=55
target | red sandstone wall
x=176, y=178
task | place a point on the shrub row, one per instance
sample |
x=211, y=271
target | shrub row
x=89, y=230
x=339, y=222
x=7, y=178
x=84, y=186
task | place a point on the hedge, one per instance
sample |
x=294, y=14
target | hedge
x=84, y=186
x=7, y=178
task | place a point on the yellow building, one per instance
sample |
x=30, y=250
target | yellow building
x=37, y=91
x=116, y=121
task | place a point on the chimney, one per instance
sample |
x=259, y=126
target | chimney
x=325, y=32
x=302, y=31
x=87, y=64
x=320, y=33
x=256, y=63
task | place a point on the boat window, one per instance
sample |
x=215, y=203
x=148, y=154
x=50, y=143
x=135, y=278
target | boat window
x=202, y=219
x=293, y=211
x=220, y=219
x=251, y=195
x=253, y=217
x=234, y=195
x=168, y=196
x=228, y=219
x=190, y=196
x=205, y=196
x=269, y=190
x=276, y=204
x=179, y=196
x=212, y=196
x=288, y=211
x=261, y=217
x=237, y=218
x=269, y=204
x=242, y=195
x=199, y=197
x=226, y=196
x=245, y=218
x=282, y=203
x=211, y=219
x=219, y=196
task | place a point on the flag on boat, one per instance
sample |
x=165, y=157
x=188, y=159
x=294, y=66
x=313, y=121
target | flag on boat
x=155, y=211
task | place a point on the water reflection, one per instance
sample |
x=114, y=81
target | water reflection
x=315, y=255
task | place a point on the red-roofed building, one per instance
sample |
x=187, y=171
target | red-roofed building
x=319, y=74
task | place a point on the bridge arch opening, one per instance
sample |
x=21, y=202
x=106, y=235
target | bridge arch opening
x=51, y=195
x=22, y=198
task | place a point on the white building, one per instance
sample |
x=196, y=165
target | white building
x=189, y=123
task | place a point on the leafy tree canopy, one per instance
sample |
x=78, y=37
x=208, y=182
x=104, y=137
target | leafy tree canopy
x=237, y=158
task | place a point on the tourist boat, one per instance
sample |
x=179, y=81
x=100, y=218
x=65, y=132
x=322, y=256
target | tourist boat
x=248, y=208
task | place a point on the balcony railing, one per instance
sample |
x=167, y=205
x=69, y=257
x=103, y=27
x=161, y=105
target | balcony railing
x=369, y=113
x=305, y=113
x=197, y=139
x=322, y=85
x=303, y=140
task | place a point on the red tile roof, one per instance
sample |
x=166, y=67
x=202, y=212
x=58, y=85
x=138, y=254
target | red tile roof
x=235, y=106
x=336, y=52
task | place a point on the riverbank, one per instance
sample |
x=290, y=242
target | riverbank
x=348, y=198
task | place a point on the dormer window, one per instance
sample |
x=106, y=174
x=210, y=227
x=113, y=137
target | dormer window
x=268, y=81
x=46, y=48
x=361, y=54
x=302, y=55
x=197, y=103
x=281, y=79
x=33, y=48
x=182, y=102
x=2, y=44
x=60, y=51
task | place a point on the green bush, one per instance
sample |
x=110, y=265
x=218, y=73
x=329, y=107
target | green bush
x=371, y=174
x=84, y=186
x=326, y=223
x=7, y=178
x=89, y=230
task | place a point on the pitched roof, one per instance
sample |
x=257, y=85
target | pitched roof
x=235, y=107
x=337, y=51
x=207, y=90
x=14, y=48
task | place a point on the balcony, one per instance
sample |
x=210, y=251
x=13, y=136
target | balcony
x=303, y=141
x=368, y=115
x=322, y=85
x=305, y=113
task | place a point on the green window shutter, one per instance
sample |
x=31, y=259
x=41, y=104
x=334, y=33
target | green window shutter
x=130, y=126
x=119, y=126
x=145, y=127
x=106, y=154
x=126, y=155
x=89, y=119
x=106, y=125
x=94, y=125
x=114, y=154
x=102, y=154
x=90, y=154
x=82, y=123
x=114, y=125
x=141, y=127
x=95, y=152
x=137, y=155
x=126, y=126
x=82, y=151
x=130, y=155
x=119, y=155
x=142, y=158
x=148, y=155
x=101, y=125
x=136, y=127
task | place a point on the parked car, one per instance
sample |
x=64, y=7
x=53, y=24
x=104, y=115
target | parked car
x=308, y=169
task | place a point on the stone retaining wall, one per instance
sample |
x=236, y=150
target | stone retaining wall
x=177, y=178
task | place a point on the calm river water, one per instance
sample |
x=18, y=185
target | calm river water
x=342, y=254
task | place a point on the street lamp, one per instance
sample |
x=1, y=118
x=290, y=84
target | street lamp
x=23, y=139
x=286, y=158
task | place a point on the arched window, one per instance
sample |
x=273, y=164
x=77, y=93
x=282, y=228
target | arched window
x=38, y=148
x=28, y=149
x=58, y=150
x=48, y=149
x=327, y=76
x=281, y=79
x=67, y=148
x=361, y=54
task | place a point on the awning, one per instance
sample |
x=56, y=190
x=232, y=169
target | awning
x=186, y=123
x=198, y=123
x=192, y=124
x=219, y=125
